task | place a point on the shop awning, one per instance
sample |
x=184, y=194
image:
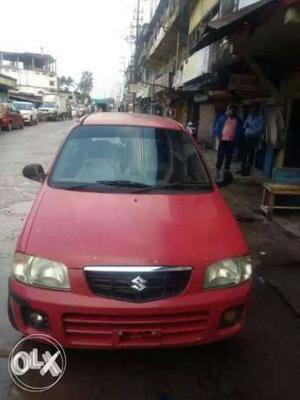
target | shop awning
x=15, y=95
x=7, y=81
x=221, y=27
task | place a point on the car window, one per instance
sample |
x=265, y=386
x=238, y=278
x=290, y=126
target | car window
x=146, y=156
x=22, y=106
x=49, y=105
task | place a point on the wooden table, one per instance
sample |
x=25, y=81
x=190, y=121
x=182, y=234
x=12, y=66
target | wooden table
x=271, y=190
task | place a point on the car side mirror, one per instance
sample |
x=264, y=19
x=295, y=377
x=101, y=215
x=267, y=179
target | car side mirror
x=35, y=172
x=227, y=180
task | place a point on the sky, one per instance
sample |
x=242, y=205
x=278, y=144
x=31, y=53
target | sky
x=84, y=35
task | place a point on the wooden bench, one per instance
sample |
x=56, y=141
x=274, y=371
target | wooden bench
x=285, y=182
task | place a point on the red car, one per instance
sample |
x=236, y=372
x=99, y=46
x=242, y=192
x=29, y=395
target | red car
x=11, y=117
x=129, y=243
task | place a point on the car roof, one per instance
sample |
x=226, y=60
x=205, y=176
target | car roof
x=131, y=119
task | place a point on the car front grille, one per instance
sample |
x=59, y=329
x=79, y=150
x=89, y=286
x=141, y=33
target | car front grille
x=140, y=329
x=137, y=284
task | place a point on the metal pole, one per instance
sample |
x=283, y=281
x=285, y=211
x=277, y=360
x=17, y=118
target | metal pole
x=177, y=50
x=137, y=33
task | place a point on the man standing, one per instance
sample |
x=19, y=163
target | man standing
x=228, y=127
x=254, y=128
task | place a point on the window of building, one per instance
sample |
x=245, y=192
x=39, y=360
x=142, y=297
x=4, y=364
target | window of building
x=52, y=83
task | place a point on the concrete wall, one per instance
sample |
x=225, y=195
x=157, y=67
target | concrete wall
x=206, y=123
x=200, y=10
x=27, y=80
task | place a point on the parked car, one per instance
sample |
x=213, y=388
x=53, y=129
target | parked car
x=28, y=111
x=11, y=117
x=54, y=107
x=50, y=112
x=129, y=243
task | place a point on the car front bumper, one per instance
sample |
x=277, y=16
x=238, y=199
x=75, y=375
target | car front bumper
x=27, y=118
x=88, y=321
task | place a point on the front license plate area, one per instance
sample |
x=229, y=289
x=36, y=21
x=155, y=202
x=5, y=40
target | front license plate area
x=138, y=337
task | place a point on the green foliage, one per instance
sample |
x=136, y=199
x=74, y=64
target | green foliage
x=66, y=82
x=86, y=83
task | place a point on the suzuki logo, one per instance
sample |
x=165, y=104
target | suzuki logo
x=139, y=283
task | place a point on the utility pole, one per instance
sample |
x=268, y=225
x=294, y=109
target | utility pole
x=137, y=31
x=137, y=36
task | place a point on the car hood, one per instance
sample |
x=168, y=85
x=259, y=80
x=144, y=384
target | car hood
x=81, y=228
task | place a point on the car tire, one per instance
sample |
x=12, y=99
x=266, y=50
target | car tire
x=21, y=126
x=9, y=127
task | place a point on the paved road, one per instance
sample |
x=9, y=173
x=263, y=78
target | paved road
x=263, y=363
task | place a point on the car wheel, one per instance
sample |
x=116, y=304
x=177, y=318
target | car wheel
x=9, y=127
x=21, y=126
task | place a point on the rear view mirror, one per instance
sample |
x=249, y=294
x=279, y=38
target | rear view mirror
x=35, y=172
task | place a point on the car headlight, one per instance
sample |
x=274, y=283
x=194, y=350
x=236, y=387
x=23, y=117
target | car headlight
x=229, y=272
x=38, y=271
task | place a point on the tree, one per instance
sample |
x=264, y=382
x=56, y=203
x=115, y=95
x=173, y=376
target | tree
x=86, y=83
x=66, y=82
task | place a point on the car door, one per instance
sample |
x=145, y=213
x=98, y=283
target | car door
x=16, y=117
x=10, y=115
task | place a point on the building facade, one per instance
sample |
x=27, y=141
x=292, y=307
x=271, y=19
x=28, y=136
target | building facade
x=195, y=57
x=35, y=74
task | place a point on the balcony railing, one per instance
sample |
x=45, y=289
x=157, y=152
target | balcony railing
x=164, y=25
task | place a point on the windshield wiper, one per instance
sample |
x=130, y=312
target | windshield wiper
x=107, y=184
x=175, y=185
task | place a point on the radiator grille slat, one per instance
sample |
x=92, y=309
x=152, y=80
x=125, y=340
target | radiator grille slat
x=138, y=286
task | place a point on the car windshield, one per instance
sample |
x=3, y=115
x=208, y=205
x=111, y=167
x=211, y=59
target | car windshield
x=48, y=105
x=23, y=106
x=126, y=156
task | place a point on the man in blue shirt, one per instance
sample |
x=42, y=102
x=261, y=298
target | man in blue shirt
x=254, y=126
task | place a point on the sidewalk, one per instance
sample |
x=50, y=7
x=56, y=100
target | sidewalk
x=275, y=245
